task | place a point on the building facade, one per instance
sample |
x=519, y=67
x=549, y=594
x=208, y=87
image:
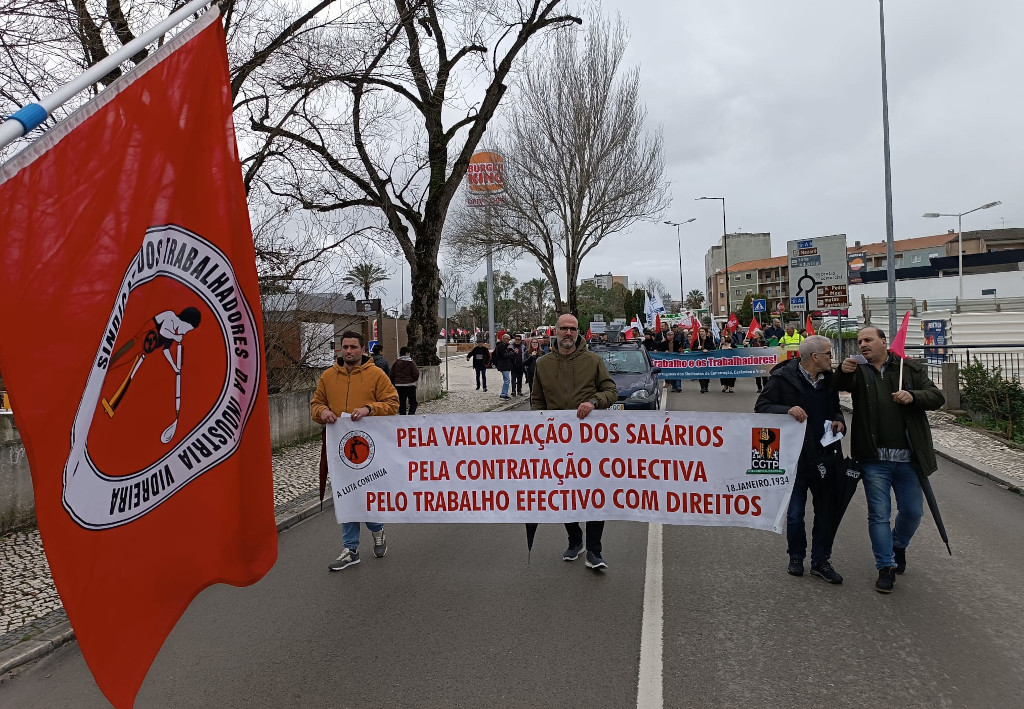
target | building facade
x=606, y=281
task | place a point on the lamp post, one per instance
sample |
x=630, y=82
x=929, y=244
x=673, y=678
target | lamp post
x=679, y=250
x=960, y=236
x=725, y=246
x=890, y=244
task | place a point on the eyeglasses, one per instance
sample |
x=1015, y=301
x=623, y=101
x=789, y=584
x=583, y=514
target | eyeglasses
x=823, y=354
x=568, y=329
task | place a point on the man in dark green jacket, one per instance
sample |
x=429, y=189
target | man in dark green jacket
x=571, y=377
x=892, y=442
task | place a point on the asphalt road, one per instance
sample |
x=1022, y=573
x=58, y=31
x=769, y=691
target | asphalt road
x=455, y=617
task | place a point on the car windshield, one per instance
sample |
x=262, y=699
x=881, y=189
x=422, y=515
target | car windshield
x=624, y=361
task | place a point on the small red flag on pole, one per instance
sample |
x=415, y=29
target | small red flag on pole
x=810, y=326
x=899, y=343
x=754, y=327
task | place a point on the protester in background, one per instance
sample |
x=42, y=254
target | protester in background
x=678, y=343
x=533, y=353
x=775, y=330
x=803, y=389
x=480, y=356
x=503, y=363
x=704, y=342
x=517, y=353
x=791, y=341
x=405, y=375
x=758, y=341
x=573, y=378
x=356, y=386
x=728, y=383
x=892, y=442
x=380, y=360
x=662, y=338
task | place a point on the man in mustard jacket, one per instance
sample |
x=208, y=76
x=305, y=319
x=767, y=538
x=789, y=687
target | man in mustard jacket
x=354, y=385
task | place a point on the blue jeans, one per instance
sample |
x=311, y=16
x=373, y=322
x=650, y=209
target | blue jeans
x=796, y=534
x=879, y=478
x=506, y=377
x=481, y=377
x=350, y=532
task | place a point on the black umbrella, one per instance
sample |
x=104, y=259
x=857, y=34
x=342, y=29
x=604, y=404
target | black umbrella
x=531, y=532
x=838, y=487
x=933, y=507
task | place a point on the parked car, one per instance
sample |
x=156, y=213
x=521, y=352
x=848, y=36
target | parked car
x=634, y=373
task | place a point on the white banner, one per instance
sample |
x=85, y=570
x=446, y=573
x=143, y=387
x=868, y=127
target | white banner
x=703, y=468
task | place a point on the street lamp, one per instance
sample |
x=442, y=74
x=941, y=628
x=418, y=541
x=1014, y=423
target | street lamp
x=725, y=245
x=960, y=236
x=679, y=249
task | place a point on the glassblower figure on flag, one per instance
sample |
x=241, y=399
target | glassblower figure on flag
x=171, y=328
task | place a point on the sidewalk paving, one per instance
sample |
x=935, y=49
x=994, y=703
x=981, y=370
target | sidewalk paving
x=32, y=619
x=29, y=605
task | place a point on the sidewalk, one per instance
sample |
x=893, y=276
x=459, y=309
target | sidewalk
x=970, y=448
x=31, y=614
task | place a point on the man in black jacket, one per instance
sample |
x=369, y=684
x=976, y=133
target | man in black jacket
x=503, y=363
x=480, y=356
x=803, y=389
x=892, y=442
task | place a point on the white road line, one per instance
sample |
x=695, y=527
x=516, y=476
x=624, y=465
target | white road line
x=649, y=689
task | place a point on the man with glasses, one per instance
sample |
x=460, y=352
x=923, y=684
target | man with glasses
x=572, y=377
x=803, y=389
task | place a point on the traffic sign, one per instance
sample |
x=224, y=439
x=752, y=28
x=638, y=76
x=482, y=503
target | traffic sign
x=759, y=305
x=818, y=273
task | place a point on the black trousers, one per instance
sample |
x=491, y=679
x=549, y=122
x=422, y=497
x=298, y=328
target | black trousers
x=594, y=531
x=517, y=381
x=704, y=384
x=761, y=381
x=406, y=395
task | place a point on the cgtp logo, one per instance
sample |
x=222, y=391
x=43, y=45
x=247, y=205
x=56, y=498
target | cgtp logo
x=764, y=452
x=151, y=420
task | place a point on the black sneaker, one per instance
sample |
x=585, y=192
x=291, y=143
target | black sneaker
x=594, y=561
x=886, y=579
x=901, y=559
x=825, y=571
x=380, y=544
x=572, y=553
x=796, y=566
x=347, y=558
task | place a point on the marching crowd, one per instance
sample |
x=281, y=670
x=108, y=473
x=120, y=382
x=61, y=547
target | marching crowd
x=891, y=445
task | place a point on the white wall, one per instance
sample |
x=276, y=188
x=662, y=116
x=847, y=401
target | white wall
x=1007, y=283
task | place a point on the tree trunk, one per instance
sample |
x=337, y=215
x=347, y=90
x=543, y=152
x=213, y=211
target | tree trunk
x=425, y=275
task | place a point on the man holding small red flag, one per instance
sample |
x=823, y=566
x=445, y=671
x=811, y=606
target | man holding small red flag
x=125, y=228
x=891, y=441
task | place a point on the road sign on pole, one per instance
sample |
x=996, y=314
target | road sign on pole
x=818, y=273
x=759, y=305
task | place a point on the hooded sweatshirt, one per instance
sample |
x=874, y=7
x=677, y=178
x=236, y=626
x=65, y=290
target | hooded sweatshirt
x=343, y=391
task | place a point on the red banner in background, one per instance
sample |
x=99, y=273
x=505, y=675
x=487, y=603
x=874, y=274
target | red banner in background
x=132, y=351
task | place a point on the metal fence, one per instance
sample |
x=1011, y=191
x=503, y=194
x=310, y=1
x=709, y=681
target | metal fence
x=1009, y=358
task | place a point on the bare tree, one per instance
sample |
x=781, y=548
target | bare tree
x=580, y=165
x=396, y=124
x=654, y=285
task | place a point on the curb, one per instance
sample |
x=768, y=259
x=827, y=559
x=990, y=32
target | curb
x=977, y=468
x=49, y=640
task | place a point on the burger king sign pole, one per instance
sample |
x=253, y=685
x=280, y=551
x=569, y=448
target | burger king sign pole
x=485, y=179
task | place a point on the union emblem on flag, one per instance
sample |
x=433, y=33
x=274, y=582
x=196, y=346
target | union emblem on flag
x=133, y=354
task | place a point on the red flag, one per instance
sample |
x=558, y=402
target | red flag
x=899, y=342
x=693, y=339
x=810, y=326
x=733, y=323
x=132, y=351
x=588, y=335
x=657, y=322
x=754, y=326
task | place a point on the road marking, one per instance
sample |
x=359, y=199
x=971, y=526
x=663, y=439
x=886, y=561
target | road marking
x=649, y=689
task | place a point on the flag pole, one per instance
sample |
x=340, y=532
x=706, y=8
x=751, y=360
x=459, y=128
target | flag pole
x=32, y=115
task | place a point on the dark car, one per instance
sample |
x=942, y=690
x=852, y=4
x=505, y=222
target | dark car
x=634, y=373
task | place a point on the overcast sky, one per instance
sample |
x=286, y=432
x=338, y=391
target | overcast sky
x=776, y=106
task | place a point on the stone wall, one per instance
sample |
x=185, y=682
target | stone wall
x=289, y=422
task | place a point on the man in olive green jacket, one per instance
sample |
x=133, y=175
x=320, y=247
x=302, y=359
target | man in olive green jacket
x=571, y=377
x=892, y=442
